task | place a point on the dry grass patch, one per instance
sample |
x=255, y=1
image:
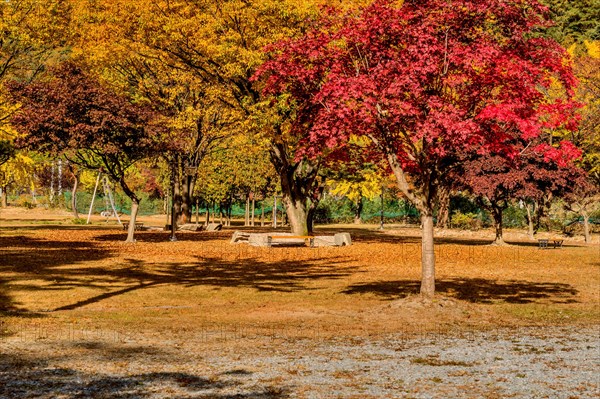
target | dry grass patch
x=87, y=277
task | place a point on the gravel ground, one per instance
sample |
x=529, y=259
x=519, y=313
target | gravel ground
x=548, y=362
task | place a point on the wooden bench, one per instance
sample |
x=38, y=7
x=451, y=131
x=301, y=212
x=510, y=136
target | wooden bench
x=311, y=239
x=138, y=225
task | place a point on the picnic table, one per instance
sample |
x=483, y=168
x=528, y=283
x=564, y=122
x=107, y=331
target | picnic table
x=555, y=242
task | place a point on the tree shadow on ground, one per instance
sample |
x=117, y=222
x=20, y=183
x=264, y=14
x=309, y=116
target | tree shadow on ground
x=28, y=226
x=474, y=290
x=6, y=302
x=34, y=265
x=24, y=378
x=360, y=234
x=273, y=276
x=164, y=236
x=36, y=256
x=8, y=307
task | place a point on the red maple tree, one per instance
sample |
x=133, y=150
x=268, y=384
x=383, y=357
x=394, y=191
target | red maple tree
x=72, y=113
x=533, y=176
x=429, y=82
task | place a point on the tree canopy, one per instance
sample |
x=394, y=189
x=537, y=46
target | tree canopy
x=335, y=96
x=431, y=83
x=71, y=113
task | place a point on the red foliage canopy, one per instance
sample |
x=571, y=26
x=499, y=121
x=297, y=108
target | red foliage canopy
x=72, y=111
x=531, y=176
x=430, y=82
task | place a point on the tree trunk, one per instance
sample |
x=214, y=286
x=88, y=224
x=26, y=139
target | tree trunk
x=427, y=257
x=253, y=209
x=131, y=229
x=423, y=202
x=444, y=207
x=538, y=214
x=312, y=209
x=586, y=227
x=274, y=212
x=185, y=188
x=310, y=219
x=74, y=195
x=4, y=195
x=207, y=214
x=297, y=215
x=497, y=214
x=298, y=183
x=247, y=211
x=229, y=206
x=135, y=203
x=262, y=213
x=197, y=211
x=530, y=230
x=358, y=211
x=176, y=200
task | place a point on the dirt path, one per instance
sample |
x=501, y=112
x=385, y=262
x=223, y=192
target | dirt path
x=548, y=362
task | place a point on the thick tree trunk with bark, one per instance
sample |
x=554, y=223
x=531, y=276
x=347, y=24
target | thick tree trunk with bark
x=444, y=207
x=131, y=228
x=539, y=214
x=298, y=185
x=184, y=198
x=423, y=200
x=427, y=257
x=297, y=215
x=497, y=214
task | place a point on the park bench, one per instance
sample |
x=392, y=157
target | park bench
x=138, y=225
x=544, y=242
x=310, y=239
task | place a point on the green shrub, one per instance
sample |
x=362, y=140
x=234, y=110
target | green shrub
x=515, y=217
x=465, y=221
x=25, y=201
x=79, y=221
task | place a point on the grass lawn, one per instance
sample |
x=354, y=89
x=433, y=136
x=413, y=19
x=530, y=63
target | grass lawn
x=56, y=272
